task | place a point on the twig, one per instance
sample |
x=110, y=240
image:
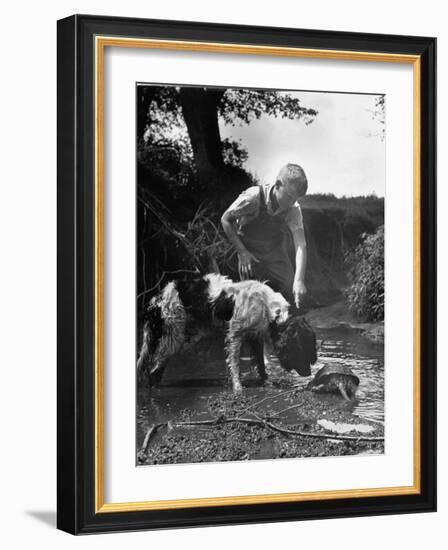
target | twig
x=315, y=435
x=164, y=222
x=163, y=275
x=152, y=288
x=287, y=409
x=149, y=434
x=269, y=397
x=194, y=271
x=260, y=421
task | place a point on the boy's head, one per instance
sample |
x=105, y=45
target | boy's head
x=291, y=183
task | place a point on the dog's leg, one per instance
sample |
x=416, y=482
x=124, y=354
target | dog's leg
x=153, y=356
x=155, y=376
x=256, y=345
x=143, y=358
x=165, y=347
x=233, y=350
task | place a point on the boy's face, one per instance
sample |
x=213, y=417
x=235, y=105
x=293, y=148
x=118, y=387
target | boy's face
x=287, y=194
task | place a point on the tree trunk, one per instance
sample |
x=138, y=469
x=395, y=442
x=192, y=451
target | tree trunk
x=199, y=107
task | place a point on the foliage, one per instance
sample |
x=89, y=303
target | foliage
x=179, y=246
x=365, y=295
x=234, y=153
x=179, y=210
x=242, y=106
x=205, y=236
x=379, y=114
x=166, y=126
x=235, y=106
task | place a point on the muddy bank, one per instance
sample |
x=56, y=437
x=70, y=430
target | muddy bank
x=247, y=428
x=194, y=416
x=337, y=315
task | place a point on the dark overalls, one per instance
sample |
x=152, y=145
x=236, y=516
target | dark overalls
x=269, y=239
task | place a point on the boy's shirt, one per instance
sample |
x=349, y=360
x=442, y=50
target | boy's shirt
x=247, y=207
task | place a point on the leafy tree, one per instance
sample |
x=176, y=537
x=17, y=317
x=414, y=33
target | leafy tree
x=187, y=175
x=188, y=116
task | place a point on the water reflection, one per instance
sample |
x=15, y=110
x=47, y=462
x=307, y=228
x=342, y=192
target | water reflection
x=365, y=358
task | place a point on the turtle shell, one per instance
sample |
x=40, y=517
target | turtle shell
x=324, y=374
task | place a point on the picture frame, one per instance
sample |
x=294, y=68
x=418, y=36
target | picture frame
x=82, y=196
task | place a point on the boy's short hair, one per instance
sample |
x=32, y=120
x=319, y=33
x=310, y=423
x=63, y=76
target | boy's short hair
x=294, y=174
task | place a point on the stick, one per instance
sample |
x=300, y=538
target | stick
x=269, y=397
x=287, y=409
x=260, y=421
x=149, y=434
x=319, y=436
x=161, y=278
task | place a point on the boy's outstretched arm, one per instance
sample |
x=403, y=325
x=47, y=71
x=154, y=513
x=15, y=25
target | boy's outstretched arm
x=299, y=288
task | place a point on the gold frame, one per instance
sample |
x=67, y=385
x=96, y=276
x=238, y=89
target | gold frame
x=101, y=42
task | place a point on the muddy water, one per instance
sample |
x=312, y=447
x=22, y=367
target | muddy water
x=194, y=377
x=365, y=358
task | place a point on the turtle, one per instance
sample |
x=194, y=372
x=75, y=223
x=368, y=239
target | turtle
x=335, y=379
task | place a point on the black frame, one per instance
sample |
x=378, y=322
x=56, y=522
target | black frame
x=75, y=404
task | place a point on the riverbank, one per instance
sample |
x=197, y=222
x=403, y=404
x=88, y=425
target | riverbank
x=337, y=315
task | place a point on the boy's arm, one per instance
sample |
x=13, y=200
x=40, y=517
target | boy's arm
x=245, y=204
x=295, y=222
x=228, y=224
x=301, y=254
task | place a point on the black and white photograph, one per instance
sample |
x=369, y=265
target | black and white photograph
x=259, y=274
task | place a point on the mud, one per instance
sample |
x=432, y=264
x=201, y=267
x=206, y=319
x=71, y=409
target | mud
x=195, y=389
x=298, y=410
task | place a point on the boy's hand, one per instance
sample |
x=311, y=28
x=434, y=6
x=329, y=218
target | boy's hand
x=245, y=259
x=298, y=289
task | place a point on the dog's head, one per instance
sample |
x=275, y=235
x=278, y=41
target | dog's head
x=294, y=342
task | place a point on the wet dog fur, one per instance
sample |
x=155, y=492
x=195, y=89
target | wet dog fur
x=247, y=311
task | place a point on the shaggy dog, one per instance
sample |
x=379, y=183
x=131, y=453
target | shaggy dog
x=248, y=311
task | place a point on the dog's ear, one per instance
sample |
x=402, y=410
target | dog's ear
x=311, y=344
x=274, y=333
x=308, y=340
x=194, y=297
x=295, y=344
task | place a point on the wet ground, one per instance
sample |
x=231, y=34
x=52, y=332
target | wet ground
x=194, y=416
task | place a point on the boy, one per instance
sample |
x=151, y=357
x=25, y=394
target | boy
x=265, y=226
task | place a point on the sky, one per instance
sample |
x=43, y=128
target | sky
x=341, y=151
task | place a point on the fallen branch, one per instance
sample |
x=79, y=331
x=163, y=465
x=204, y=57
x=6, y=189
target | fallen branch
x=262, y=422
x=141, y=455
x=257, y=421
